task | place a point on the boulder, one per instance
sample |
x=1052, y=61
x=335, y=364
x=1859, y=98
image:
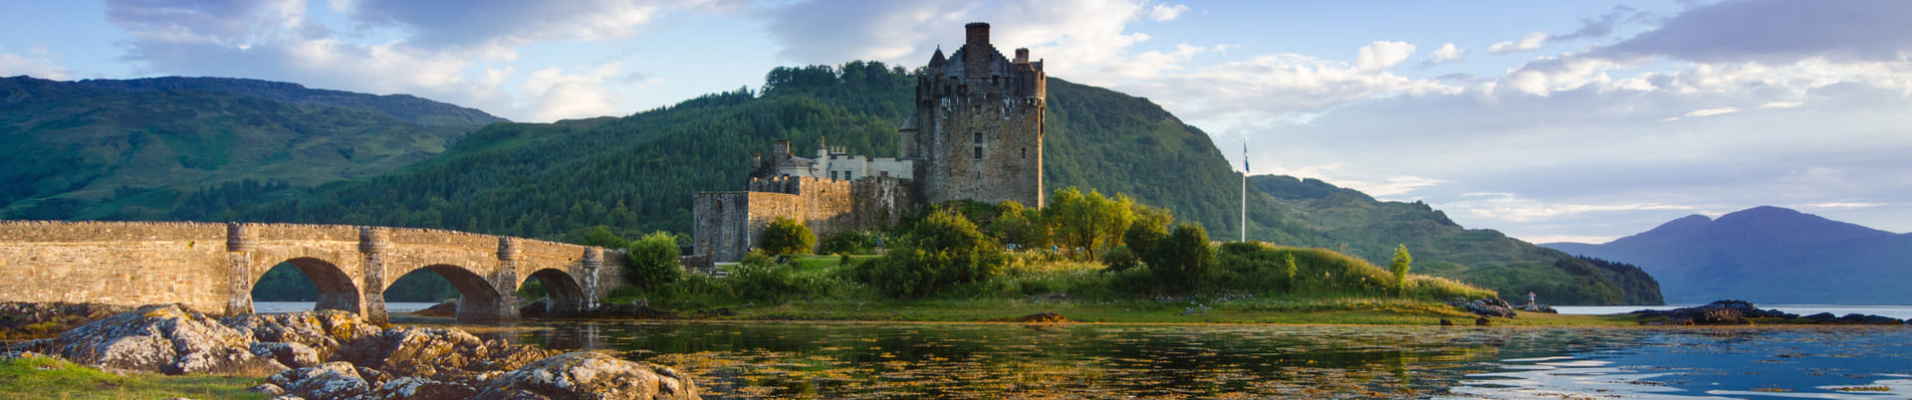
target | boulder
x=266, y=389
x=333, y=380
x=1487, y=307
x=167, y=339
x=1539, y=308
x=44, y=320
x=414, y=388
x=324, y=331
x=292, y=355
x=449, y=355
x=588, y=375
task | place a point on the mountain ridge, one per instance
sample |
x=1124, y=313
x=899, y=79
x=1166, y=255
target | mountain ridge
x=1769, y=254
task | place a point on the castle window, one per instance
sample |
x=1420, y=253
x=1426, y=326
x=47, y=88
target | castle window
x=832, y=175
x=979, y=138
x=979, y=152
x=1025, y=153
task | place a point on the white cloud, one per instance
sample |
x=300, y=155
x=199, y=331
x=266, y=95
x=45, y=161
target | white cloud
x=557, y=95
x=38, y=67
x=1705, y=112
x=1511, y=207
x=1448, y=52
x=1382, y=55
x=1393, y=186
x=1531, y=41
x=1165, y=12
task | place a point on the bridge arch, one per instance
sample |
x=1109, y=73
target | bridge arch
x=563, y=293
x=337, y=289
x=478, y=301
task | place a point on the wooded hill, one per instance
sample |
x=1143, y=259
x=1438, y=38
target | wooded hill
x=132, y=149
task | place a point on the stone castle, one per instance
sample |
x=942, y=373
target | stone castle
x=976, y=135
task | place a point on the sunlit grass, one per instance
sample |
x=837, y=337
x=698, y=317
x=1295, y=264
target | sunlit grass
x=51, y=378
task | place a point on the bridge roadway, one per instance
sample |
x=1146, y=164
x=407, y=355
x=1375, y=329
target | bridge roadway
x=212, y=267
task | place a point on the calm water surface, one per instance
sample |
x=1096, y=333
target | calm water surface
x=1894, y=311
x=762, y=360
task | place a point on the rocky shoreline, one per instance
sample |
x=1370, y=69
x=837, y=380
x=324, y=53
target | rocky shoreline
x=335, y=355
x=1738, y=312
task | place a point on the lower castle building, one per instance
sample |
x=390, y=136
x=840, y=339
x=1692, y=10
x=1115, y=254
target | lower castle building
x=976, y=135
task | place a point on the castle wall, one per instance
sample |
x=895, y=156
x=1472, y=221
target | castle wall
x=729, y=224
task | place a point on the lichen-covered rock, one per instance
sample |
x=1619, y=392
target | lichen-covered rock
x=587, y=375
x=325, y=331
x=413, y=388
x=414, y=351
x=20, y=320
x=166, y=339
x=334, y=380
x=292, y=355
x=1488, y=307
x=266, y=389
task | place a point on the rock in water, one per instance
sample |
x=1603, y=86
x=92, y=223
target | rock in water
x=166, y=339
x=587, y=375
x=1488, y=307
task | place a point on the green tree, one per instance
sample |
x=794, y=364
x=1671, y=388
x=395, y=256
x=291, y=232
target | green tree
x=1399, y=266
x=1183, y=258
x=1288, y=270
x=654, y=261
x=942, y=249
x=787, y=236
x=1090, y=222
x=1020, y=225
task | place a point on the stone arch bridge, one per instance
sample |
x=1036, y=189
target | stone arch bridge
x=212, y=267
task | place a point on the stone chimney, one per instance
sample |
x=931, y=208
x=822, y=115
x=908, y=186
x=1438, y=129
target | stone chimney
x=1022, y=55
x=978, y=33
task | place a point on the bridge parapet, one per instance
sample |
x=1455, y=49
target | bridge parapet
x=137, y=263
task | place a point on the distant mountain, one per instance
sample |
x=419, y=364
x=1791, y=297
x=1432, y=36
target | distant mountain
x=1314, y=213
x=1767, y=254
x=136, y=149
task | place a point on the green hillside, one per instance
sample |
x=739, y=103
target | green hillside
x=1317, y=214
x=100, y=150
x=637, y=173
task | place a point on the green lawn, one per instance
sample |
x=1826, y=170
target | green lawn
x=50, y=378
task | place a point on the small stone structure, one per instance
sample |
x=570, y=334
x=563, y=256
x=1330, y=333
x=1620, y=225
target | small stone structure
x=212, y=267
x=976, y=135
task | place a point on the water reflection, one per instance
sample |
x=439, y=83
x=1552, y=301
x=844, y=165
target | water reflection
x=770, y=360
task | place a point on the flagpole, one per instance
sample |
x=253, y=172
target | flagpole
x=1244, y=188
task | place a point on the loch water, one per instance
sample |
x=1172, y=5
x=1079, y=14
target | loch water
x=765, y=360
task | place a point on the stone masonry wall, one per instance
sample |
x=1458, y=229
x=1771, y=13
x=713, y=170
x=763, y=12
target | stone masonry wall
x=195, y=264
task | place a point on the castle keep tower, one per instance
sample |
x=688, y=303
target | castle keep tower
x=977, y=132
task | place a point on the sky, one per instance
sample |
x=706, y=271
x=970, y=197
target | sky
x=1548, y=121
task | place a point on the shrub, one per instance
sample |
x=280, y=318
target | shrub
x=654, y=261
x=942, y=249
x=852, y=242
x=759, y=278
x=787, y=236
x=1120, y=259
x=1183, y=258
